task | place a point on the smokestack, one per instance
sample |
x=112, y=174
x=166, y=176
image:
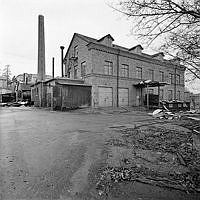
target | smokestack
x=53, y=67
x=41, y=49
x=62, y=71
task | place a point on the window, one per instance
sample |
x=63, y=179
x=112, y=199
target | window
x=161, y=94
x=75, y=71
x=171, y=78
x=124, y=70
x=179, y=95
x=151, y=74
x=170, y=95
x=76, y=51
x=68, y=74
x=108, y=68
x=178, y=79
x=150, y=91
x=139, y=72
x=161, y=77
x=37, y=91
x=83, y=69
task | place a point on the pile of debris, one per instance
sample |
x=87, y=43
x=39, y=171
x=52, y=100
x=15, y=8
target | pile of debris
x=165, y=114
x=160, y=156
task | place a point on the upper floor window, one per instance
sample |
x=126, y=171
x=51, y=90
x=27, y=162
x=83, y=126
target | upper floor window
x=171, y=78
x=150, y=91
x=170, y=95
x=75, y=71
x=37, y=91
x=161, y=95
x=108, y=68
x=139, y=72
x=76, y=51
x=68, y=74
x=178, y=79
x=151, y=74
x=83, y=69
x=178, y=95
x=161, y=76
x=124, y=70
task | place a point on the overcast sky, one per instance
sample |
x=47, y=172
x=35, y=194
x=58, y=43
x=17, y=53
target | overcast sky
x=62, y=18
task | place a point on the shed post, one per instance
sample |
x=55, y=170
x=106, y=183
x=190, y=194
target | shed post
x=147, y=96
x=159, y=96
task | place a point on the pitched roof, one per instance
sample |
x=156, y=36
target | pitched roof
x=105, y=37
x=157, y=54
x=90, y=39
x=136, y=47
x=86, y=38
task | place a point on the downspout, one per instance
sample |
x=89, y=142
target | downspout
x=118, y=77
x=159, y=96
x=175, y=85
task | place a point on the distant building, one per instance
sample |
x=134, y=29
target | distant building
x=5, y=90
x=23, y=84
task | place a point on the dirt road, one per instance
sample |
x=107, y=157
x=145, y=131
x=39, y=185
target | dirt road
x=56, y=155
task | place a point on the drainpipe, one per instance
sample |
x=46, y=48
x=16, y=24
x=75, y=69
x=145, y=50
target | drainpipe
x=118, y=77
x=175, y=84
x=62, y=72
x=53, y=67
x=147, y=97
x=159, y=96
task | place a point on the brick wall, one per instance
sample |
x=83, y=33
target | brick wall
x=95, y=56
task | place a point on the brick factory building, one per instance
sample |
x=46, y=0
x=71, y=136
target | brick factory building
x=114, y=72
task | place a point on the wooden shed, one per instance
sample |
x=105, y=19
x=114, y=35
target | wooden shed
x=61, y=94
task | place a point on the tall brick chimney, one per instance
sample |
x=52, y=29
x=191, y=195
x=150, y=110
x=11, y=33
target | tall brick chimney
x=41, y=49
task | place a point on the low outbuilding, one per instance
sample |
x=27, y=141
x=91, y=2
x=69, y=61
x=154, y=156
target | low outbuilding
x=61, y=94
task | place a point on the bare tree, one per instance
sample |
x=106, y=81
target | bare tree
x=7, y=74
x=176, y=22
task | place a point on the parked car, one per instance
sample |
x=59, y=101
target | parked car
x=3, y=104
x=15, y=104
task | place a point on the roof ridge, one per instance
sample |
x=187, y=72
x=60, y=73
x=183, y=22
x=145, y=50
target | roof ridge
x=86, y=37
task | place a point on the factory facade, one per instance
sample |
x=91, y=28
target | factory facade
x=114, y=72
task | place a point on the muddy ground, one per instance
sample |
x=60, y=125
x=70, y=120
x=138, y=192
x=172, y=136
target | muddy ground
x=98, y=154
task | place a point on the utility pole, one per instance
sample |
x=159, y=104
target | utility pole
x=53, y=67
x=7, y=74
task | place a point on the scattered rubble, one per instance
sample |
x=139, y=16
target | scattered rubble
x=160, y=156
x=165, y=114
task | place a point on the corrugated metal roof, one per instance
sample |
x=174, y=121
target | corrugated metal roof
x=75, y=84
